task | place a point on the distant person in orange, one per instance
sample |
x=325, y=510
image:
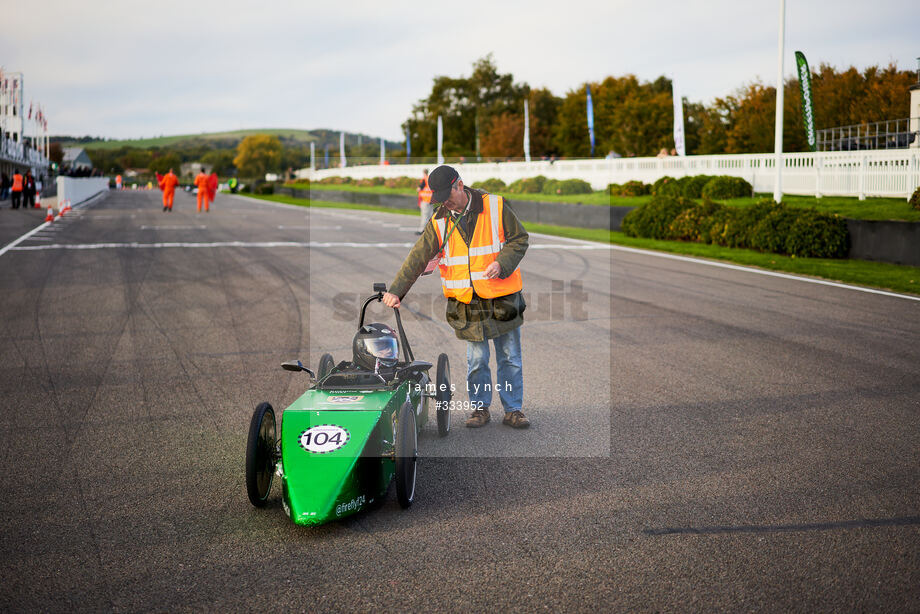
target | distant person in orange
x=202, y=181
x=424, y=202
x=117, y=182
x=168, y=184
x=16, y=190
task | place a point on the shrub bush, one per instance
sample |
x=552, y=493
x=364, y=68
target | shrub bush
x=693, y=223
x=723, y=227
x=915, y=199
x=630, y=188
x=491, y=185
x=401, y=182
x=265, y=188
x=566, y=186
x=370, y=182
x=817, y=235
x=692, y=186
x=531, y=185
x=732, y=226
x=723, y=187
x=665, y=185
x=335, y=180
x=770, y=233
x=653, y=219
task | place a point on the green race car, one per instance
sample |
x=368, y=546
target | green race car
x=351, y=433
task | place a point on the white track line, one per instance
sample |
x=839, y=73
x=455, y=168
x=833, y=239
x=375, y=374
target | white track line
x=12, y=244
x=301, y=244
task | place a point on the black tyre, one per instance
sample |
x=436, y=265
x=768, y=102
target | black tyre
x=406, y=455
x=443, y=395
x=326, y=362
x=260, y=455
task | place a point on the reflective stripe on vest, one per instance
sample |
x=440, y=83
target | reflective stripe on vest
x=463, y=267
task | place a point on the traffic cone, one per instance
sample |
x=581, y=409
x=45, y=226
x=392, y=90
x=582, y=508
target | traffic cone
x=66, y=206
x=50, y=216
x=38, y=200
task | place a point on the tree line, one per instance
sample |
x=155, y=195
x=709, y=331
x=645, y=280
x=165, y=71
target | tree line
x=484, y=113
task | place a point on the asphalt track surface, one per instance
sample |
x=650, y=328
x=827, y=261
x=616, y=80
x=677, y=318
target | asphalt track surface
x=703, y=438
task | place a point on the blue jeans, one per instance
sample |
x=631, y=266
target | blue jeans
x=510, y=383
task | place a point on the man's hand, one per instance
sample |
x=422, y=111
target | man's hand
x=493, y=270
x=390, y=299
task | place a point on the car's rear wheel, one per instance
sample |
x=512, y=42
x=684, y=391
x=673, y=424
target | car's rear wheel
x=260, y=454
x=406, y=455
x=443, y=395
x=326, y=362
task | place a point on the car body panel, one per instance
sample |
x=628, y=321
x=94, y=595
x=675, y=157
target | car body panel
x=337, y=449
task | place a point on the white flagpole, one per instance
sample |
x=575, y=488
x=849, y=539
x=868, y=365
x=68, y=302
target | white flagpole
x=312, y=155
x=526, y=132
x=679, y=142
x=383, y=155
x=440, y=140
x=342, y=150
x=778, y=145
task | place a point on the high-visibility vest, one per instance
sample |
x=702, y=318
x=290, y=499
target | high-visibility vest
x=463, y=267
x=424, y=195
x=17, y=182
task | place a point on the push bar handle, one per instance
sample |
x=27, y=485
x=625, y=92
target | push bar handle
x=380, y=288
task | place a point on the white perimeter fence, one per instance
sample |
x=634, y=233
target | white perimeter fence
x=892, y=173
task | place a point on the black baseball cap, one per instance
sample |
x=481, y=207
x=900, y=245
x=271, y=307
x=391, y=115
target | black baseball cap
x=441, y=180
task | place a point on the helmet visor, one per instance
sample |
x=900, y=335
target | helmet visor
x=384, y=348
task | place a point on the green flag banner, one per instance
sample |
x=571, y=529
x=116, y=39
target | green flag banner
x=808, y=108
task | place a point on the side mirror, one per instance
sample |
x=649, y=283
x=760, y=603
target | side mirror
x=296, y=365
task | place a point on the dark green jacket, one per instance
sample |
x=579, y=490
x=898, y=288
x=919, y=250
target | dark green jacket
x=482, y=318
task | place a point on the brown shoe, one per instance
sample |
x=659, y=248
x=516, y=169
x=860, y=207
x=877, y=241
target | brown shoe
x=516, y=419
x=479, y=417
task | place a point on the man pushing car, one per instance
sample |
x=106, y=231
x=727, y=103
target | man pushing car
x=478, y=243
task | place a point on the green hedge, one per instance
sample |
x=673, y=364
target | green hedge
x=402, y=182
x=665, y=186
x=653, y=219
x=915, y=199
x=692, y=187
x=630, y=188
x=765, y=226
x=335, y=180
x=714, y=187
x=566, y=186
x=492, y=185
x=531, y=185
x=722, y=187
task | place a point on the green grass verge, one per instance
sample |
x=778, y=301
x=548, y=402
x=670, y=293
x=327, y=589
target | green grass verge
x=869, y=209
x=881, y=275
x=851, y=207
x=595, y=198
x=345, y=187
x=306, y=202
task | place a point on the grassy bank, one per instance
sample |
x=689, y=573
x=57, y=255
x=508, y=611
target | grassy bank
x=881, y=275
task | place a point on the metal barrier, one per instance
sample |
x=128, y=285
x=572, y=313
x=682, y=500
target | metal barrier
x=78, y=189
x=892, y=173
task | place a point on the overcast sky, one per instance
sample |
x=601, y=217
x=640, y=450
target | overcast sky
x=133, y=69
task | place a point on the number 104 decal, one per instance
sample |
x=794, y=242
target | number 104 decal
x=324, y=438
